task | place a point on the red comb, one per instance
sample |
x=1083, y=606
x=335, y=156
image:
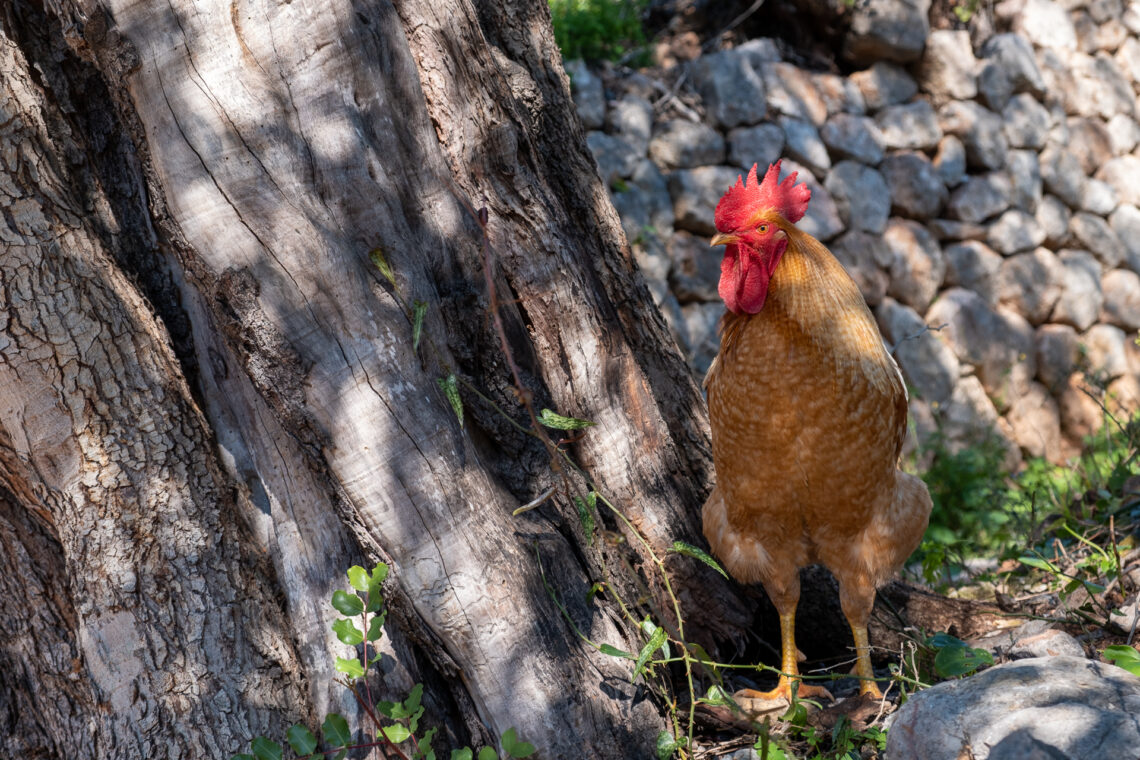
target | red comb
x=740, y=204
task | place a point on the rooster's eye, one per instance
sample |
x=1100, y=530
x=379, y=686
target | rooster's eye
x=763, y=229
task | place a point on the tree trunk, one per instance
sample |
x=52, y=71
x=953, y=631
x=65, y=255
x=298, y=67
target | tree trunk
x=211, y=402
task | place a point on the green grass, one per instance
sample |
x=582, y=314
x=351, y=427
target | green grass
x=599, y=30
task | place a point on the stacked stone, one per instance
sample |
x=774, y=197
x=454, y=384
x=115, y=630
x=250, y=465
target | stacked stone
x=983, y=194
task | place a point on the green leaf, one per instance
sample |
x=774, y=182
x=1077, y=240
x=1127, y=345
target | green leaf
x=515, y=748
x=346, y=603
x=944, y=640
x=340, y=755
x=301, y=740
x=419, y=309
x=450, y=387
x=666, y=745
x=376, y=627
x=381, y=262
x=558, y=422
x=716, y=696
x=488, y=753
x=1124, y=656
x=351, y=668
x=265, y=749
x=1038, y=563
x=691, y=551
x=586, y=517
x=347, y=632
x=358, y=577
x=386, y=708
x=335, y=730
x=396, y=733
x=424, y=744
x=595, y=589
x=952, y=662
x=615, y=652
x=414, y=697
x=461, y=754
x=655, y=641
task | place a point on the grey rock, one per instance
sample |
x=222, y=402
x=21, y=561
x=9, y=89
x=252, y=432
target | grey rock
x=980, y=130
x=1098, y=198
x=1081, y=295
x=802, y=143
x=588, y=93
x=864, y=256
x=861, y=196
x=1131, y=18
x=1128, y=58
x=700, y=321
x=792, y=92
x=631, y=118
x=947, y=68
x=1121, y=299
x=1062, y=174
x=822, y=218
x=1046, y=24
x=695, y=193
x=648, y=180
x=950, y=161
x=915, y=187
x=1058, y=349
x=1034, y=421
x=1111, y=35
x=1047, y=643
x=884, y=84
x=891, y=30
x=1026, y=122
x=695, y=267
x=997, y=342
x=980, y=197
x=1014, y=231
x=1085, y=29
x=969, y=418
x=1103, y=11
x=973, y=265
x=1030, y=283
x=1054, y=216
x=839, y=94
x=952, y=229
x=732, y=89
x=653, y=261
x=1101, y=88
x=681, y=144
x=917, y=265
x=1095, y=235
x=1125, y=222
x=1089, y=142
x=1025, y=175
x=1104, y=350
x=928, y=365
x=911, y=126
x=614, y=156
x=762, y=145
x=994, y=86
x=1077, y=708
x=760, y=50
x=1014, y=54
x=1121, y=173
x=1123, y=133
x=855, y=137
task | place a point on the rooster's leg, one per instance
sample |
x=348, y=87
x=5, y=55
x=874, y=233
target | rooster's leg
x=857, y=597
x=789, y=668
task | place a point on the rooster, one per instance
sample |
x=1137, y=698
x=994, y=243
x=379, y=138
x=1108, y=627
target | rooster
x=808, y=413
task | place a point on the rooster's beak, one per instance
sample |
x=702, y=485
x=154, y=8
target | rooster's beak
x=722, y=238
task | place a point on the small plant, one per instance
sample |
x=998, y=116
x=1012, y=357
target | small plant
x=394, y=725
x=1124, y=656
x=599, y=30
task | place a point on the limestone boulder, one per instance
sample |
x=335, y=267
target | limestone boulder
x=1014, y=55
x=884, y=84
x=973, y=265
x=1014, y=231
x=1025, y=176
x=916, y=189
x=887, y=30
x=1121, y=173
x=588, y=93
x=694, y=271
x=950, y=161
x=631, y=118
x=909, y=126
x=1081, y=296
x=802, y=142
x=998, y=343
x=980, y=197
x=853, y=137
x=948, y=70
x=1030, y=283
x=1096, y=236
x=917, y=266
x=682, y=144
x=731, y=88
x=1125, y=222
x=861, y=196
x=695, y=193
x=1104, y=350
x=1121, y=306
x=1045, y=707
x=822, y=218
x=1062, y=174
x=792, y=92
x=928, y=364
x=864, y=256
x=1035, y=424
x=1057, y=352
x=1046, y=24
x=1025, y=122
x=616, y=159
x=762, y=145
x=700, y=321
x=980, y=130
x=1053, y=216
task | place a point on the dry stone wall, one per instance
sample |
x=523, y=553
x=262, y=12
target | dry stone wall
x=983, y=190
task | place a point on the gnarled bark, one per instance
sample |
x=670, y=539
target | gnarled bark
x=210, y=403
